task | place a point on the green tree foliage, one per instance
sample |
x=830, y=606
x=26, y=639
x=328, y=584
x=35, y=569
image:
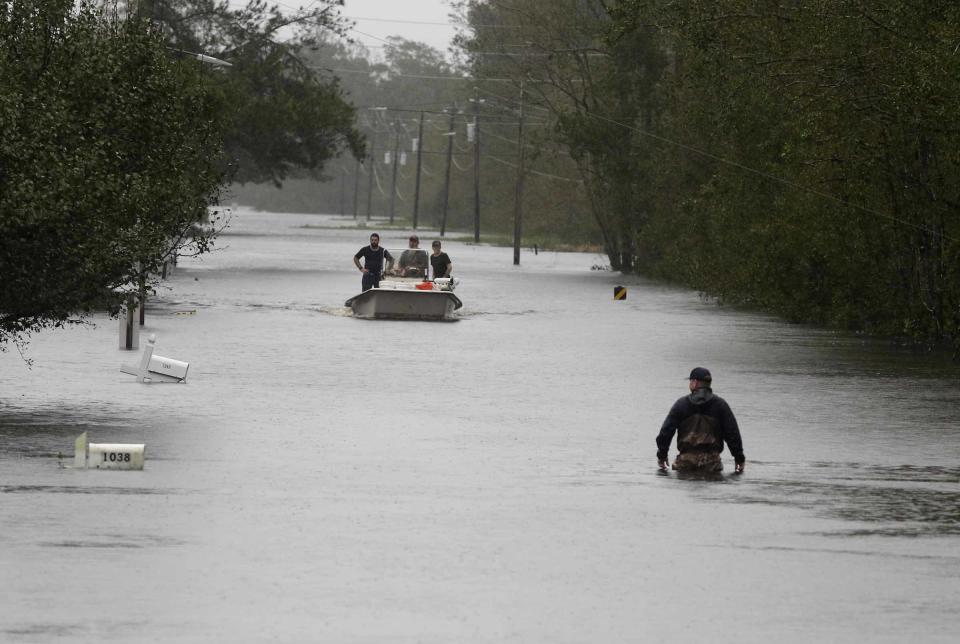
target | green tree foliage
x=407, y=78
x=282, y=114
x=824, y=183
x=555, y=55
x=799, y=156
x=411, y=79
x=109, y=151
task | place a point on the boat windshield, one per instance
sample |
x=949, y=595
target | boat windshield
x=409, y=262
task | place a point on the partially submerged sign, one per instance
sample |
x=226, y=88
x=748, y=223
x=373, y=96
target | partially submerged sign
x=107, y=456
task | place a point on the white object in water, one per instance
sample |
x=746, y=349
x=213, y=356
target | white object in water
x=107, y=456
x=157, y=368
x=446, y=283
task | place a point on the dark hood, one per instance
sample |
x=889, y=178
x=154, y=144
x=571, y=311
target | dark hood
x=701, y=396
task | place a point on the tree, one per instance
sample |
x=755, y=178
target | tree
x=799, y=156
x=410, y=78
x=282, y=114
x=558, y=55
x=110, y=149
x=819, y=171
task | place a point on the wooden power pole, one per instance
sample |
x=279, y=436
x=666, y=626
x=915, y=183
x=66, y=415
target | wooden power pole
x=518, y=196
x=416, y=193
x=373, y=162
x=476, y=165
x=356, y=186
x=395, y=160
x=446, y=181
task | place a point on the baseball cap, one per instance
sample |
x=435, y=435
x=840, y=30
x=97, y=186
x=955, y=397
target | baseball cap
x=700, y=373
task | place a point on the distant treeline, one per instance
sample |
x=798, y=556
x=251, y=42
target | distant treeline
x=406, y=88
x=798, y=156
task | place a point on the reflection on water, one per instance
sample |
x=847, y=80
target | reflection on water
x=45, y=630
x=108, y=541
x=45, y=433
x=905, y=501
x=690, y=475
x=86, y=489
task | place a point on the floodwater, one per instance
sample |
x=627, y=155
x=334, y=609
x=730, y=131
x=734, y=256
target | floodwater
x=493, y=479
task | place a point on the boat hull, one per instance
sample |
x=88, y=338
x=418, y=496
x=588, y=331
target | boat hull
x=408, y=304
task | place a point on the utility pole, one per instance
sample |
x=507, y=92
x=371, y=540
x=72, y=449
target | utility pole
x=446, y=182
x=518, y=197
x=395, y=160
x=142, y=302
x=356, y=186
x=343, y=190
x=372, y=171
x=416, y=194
x=476, y=165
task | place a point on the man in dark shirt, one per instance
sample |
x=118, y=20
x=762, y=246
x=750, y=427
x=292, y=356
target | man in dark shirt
x=703, y=422
x=413, y=261
x=374, y=257
x=440, y=262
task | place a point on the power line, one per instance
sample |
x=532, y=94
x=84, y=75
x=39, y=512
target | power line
x=401, y=22
x=363, y=33
x=405, y=108
x=464, y=79
x=593, y=54
x=536, y=172
x=640, y=131
x=370, y=72
x=440, y=128
x=457, y=165
x=754, y=171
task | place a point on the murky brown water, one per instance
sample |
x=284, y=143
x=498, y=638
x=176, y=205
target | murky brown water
x=321, y=478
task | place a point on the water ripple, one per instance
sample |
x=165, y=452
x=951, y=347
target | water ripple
x=901, y=501
x=66, y=489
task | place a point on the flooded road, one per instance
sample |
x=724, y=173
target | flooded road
x=492, y=479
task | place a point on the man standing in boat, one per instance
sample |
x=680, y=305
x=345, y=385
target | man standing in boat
x=374, y=256
x=703, y=422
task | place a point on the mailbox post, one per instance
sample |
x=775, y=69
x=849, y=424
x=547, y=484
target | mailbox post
x=157, y=368
x=129, y=333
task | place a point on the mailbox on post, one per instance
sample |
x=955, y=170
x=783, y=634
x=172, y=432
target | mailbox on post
x=107, y=456
x=157, y=368
x=168, y=367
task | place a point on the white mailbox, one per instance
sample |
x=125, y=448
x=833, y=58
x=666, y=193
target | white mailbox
x=157, y=368
x=107, y=456
x=115, y=456
x=168, y=367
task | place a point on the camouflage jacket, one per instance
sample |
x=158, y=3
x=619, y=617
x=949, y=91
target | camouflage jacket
x=703, y=422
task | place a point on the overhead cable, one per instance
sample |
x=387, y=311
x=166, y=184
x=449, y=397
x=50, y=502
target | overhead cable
x=536, y=172
x=748, y=169
x=457, y=165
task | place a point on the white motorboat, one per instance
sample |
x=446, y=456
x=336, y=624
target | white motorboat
x=407, y=292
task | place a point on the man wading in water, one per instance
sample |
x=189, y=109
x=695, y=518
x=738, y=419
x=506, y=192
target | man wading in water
x=703, y=422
